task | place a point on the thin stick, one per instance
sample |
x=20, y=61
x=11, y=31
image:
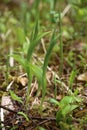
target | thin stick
x=31, y=117
x=40, y=123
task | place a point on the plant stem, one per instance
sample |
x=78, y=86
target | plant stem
x=61, y=46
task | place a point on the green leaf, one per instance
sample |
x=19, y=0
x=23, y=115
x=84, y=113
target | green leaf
x=35, y=31
x=41, y=128
x=72, y=78
x=25, y=46
x=33, y=70
x=33, y=44
x=66, y=101
x=37, y=71
x=59, y=116
x=66, y=109
x=20, y=35
x=34, y=40
x=20, y=59
x=69, y=108
x=46, y=60
x=54, y=101
x=24, y=115
x=78, y=99
x=42, y=35
x=15, y=97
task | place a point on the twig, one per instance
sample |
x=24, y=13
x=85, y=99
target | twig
x=40, y=123
x=43, y=119
x=66, y=10
x=11, y=59
x=43, y=45
x=31, y=117
x=9, y=86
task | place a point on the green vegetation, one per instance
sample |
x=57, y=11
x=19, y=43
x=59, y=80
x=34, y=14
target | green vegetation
x=43, y=64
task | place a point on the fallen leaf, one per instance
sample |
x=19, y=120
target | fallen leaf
x=82, y=77
x=23, y=81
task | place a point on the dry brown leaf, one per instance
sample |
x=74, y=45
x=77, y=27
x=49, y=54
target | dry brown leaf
x=82, y=77
x=23, y=81
x=59, y=97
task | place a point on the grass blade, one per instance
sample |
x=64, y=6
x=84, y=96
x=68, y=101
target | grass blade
x=49, y=50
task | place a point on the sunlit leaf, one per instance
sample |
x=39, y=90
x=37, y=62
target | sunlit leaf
x=54, y=101
x=15, y=97
x=68, y=108
x=68, y=100
x=24, y=115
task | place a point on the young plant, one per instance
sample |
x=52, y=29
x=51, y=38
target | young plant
x=66, y=107
x=46, y=60
x=27, y=64
x=35, y=37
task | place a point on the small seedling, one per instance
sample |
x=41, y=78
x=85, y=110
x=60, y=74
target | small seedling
x=66, y=106
x=30, y=68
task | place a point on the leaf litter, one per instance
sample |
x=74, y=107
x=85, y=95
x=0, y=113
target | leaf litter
x=15, y=115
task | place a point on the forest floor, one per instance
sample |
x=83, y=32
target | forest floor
x=64, y=105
